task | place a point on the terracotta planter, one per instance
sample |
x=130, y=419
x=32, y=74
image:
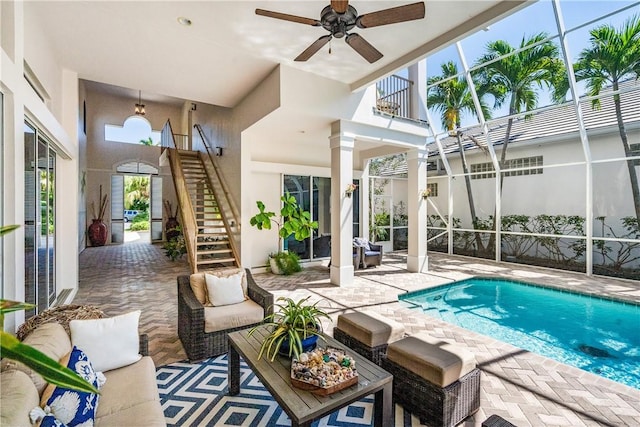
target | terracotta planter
x=98, y=233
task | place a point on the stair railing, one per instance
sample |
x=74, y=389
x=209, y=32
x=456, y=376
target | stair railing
x=229, y=203
x=187, y=216
x=231, y=230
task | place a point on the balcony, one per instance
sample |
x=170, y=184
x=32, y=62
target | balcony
x=394, y=96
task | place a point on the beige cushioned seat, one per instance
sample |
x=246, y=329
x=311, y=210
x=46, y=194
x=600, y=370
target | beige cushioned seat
x=232, y=316
x=433, y=359
x=370, y=328
x=129, y=387
x=52, y=340
x=17, y=397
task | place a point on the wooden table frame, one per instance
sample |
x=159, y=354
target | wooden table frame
x=301, y=406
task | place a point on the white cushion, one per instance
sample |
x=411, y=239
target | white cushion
x=224, y=290
x=109, y=343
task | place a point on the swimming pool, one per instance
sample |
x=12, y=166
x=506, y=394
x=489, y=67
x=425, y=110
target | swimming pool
x=594, y=334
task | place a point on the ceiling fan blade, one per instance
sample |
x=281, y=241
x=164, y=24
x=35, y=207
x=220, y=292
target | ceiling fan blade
x=393, y=15
x=360, y=45
x=287, y=17
x=340, y=6
x=315, y=47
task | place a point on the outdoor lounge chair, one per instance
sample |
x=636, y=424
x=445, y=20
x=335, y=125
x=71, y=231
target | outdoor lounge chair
x=371, y=253
x=197, y=342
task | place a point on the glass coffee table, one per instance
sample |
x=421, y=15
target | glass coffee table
x=302, y=406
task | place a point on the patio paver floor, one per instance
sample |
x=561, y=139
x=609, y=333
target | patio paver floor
x=523, y=387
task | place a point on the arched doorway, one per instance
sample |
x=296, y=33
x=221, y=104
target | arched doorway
x=136, y=207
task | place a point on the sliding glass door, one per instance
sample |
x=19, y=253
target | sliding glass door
x=39, y=219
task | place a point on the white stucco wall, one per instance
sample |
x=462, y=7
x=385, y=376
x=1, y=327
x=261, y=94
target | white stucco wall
x=104, y=156
x=558, y=190
x=56, y=119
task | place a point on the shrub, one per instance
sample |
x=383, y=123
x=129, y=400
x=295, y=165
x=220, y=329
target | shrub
x=139, y=226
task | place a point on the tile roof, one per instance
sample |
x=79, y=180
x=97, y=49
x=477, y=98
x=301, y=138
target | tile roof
x=546, y=125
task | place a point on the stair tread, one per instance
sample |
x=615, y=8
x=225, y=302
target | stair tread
x=215, y=242
x=215, y=261
x=214, y=251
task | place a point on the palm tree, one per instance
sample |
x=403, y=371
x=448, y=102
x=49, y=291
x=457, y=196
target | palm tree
x=148, y=141
x=451, y=99
x=516, y=77
x=613, y=56
x=136, y=190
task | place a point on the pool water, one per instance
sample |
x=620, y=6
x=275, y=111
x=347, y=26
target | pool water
x=594, y=334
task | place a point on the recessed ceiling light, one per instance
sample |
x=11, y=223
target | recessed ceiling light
x=184, y=21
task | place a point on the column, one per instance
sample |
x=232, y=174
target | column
x=417, y=260
x=341, y=208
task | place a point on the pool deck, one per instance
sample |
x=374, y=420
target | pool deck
x=523, y=387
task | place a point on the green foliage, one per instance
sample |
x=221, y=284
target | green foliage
x=7, y=229
x=148, y=141
x=293, y=221
x=617, y=255
x=292, y=321
x=452, y=98
x=175, y=248
x=139, y=226
x=287, y=262
x=141, y=217
x=136, y=193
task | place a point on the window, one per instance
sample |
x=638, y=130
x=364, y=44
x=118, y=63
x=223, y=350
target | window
x=477, y=168
x=635, y=151
x=525, y=166
x=313, y=194
x=433, y=189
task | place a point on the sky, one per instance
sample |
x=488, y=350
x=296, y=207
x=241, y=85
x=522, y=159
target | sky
x=529, y=21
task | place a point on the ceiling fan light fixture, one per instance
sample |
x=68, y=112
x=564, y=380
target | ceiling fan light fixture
x=339, y=17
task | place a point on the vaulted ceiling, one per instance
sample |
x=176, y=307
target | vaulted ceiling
x=228, y=49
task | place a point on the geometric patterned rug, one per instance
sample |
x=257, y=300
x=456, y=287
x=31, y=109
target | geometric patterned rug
x=197, y=395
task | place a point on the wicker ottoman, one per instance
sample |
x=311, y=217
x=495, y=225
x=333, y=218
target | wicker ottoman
x=368, y=333
x=435, y=380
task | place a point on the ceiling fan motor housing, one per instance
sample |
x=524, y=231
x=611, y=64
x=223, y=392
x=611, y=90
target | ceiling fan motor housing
x=338, y=23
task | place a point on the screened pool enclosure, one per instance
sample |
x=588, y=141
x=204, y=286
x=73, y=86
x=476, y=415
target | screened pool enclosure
x=534, y=147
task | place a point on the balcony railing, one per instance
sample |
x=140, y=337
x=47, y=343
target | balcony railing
x=394, y=96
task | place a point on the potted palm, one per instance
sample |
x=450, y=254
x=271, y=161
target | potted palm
x=293, y=221
x=295, y=328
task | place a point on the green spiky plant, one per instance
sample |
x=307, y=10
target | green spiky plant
x=52, y=371
x=293, y=322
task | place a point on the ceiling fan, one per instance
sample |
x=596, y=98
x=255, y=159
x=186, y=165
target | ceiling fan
x=339, y=17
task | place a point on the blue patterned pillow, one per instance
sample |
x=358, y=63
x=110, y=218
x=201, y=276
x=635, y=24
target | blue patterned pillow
x=69, y=408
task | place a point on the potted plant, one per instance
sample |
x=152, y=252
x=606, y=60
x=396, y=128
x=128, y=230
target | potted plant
x=293, y=220
x=295, y=328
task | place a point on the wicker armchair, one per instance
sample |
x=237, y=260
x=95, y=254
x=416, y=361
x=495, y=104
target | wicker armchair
x=199, y=344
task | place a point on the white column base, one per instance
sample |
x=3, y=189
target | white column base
x=341, y=275
x=418, y=264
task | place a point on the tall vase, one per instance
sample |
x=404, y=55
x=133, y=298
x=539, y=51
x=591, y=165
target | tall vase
x=98, y=233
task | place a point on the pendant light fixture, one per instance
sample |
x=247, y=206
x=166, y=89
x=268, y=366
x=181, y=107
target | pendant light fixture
x=139, y=110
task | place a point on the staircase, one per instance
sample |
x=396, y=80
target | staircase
x=212, y=246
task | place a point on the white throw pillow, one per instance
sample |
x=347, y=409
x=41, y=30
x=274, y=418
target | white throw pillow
x=109, y=343
x=225, y=290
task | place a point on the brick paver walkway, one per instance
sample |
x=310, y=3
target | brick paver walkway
x=523, y=387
